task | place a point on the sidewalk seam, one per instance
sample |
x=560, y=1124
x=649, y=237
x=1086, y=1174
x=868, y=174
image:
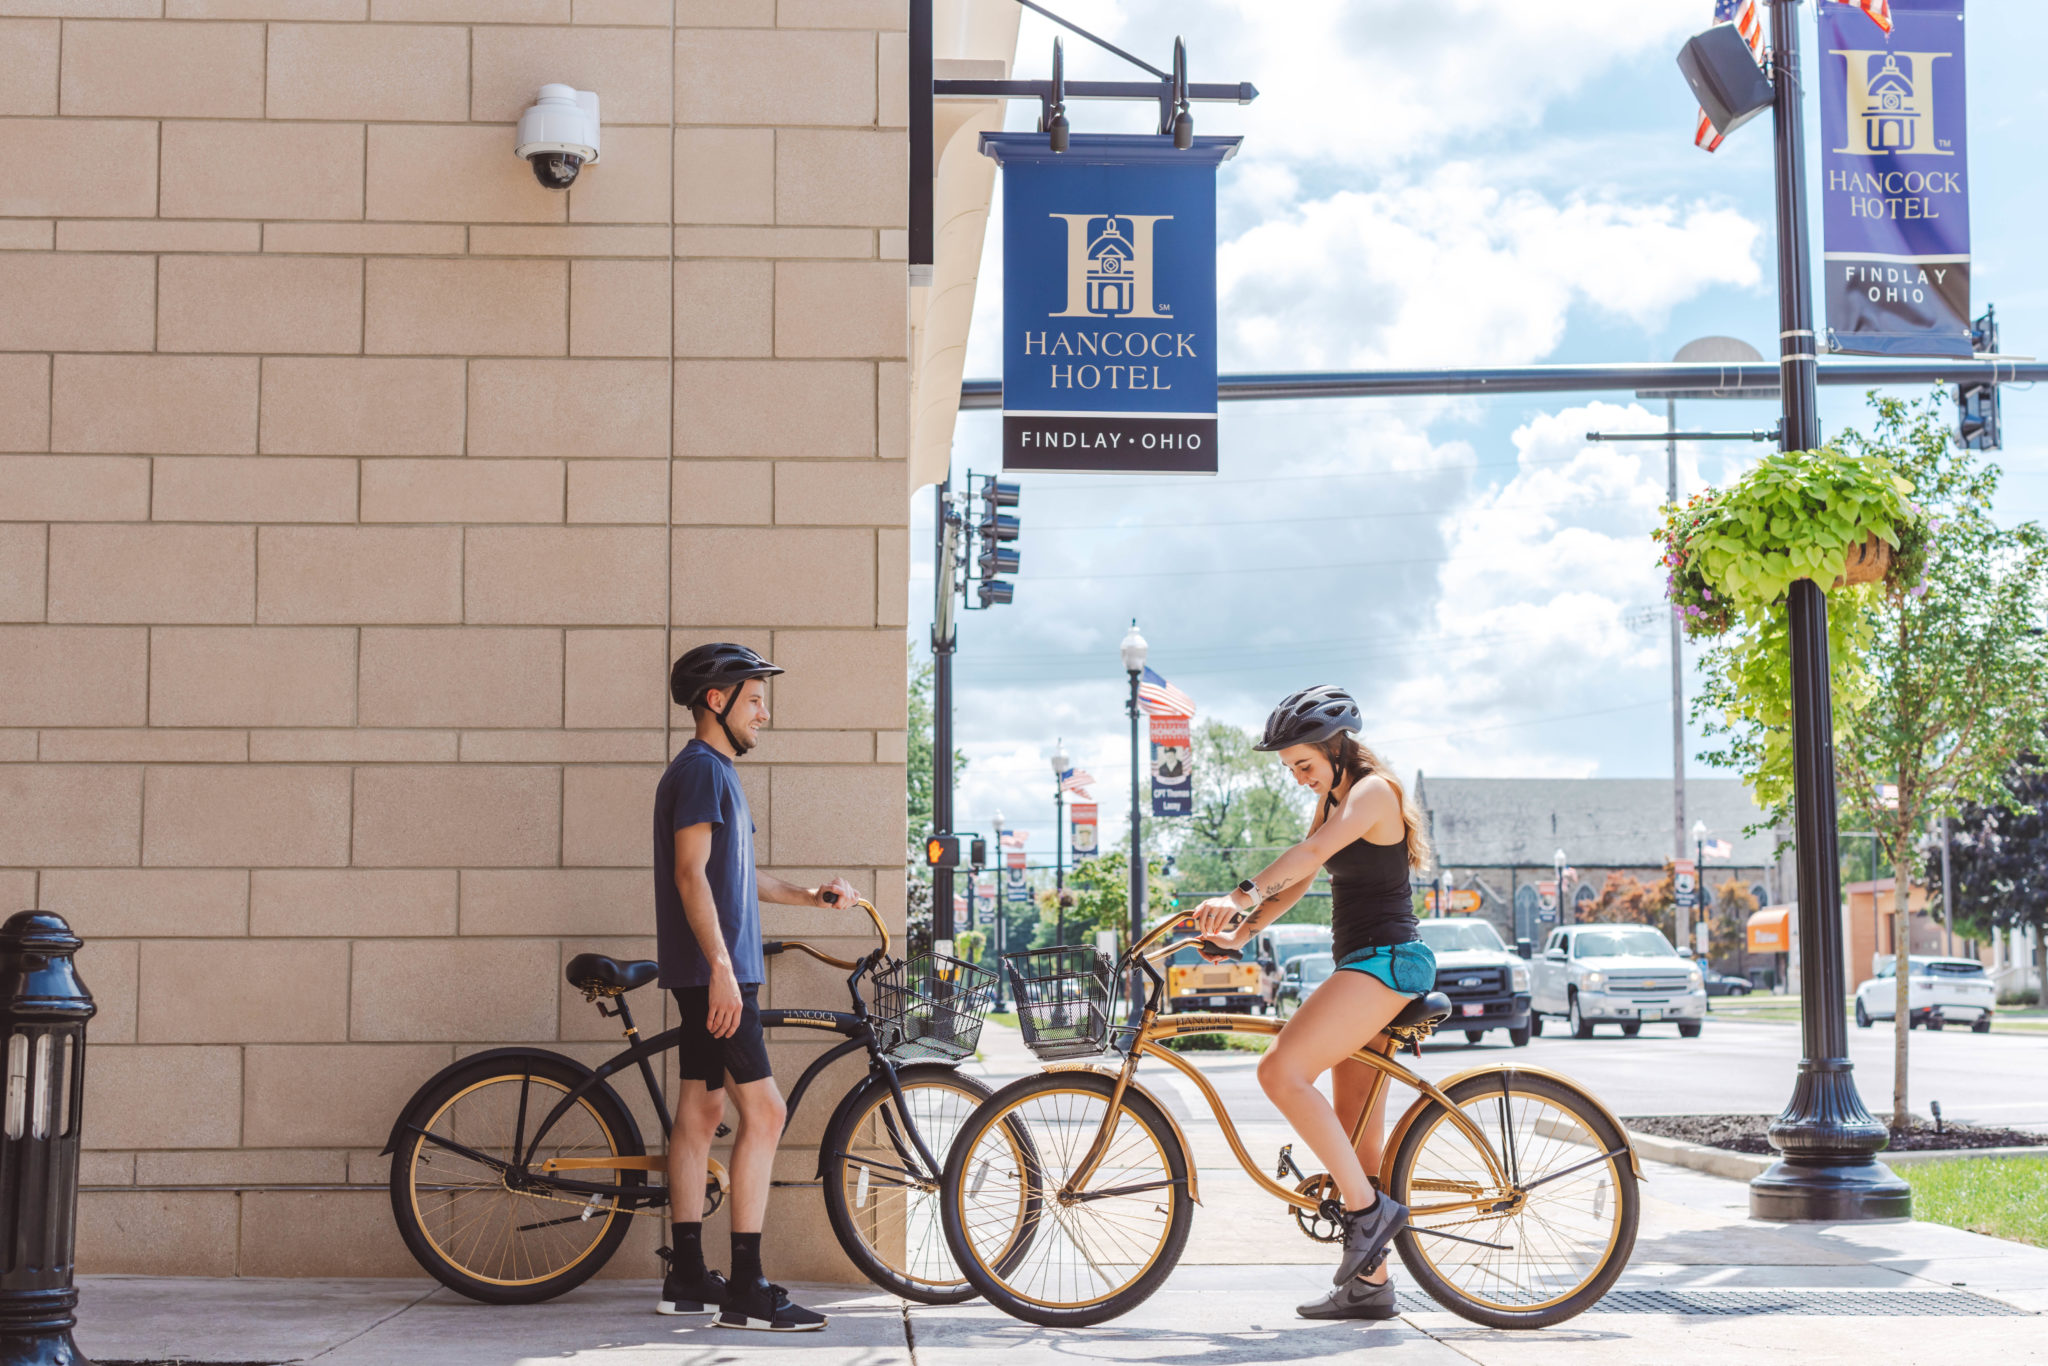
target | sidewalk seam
x=403, y=1308
x=909, y=1335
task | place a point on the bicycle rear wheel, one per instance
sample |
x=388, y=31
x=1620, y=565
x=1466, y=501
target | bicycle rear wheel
x=1086, y=1258
x=883, y=1203
x=1545, y=1246
x=485, y=1236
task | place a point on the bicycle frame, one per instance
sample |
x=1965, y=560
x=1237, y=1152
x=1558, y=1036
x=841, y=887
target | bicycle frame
x=854, y=1027
x=1147, y=1043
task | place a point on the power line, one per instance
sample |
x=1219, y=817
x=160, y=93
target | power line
x=1435, y=510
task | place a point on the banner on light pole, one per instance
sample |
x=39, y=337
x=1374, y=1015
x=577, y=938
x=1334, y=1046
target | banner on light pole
x=1173, y=766
x=1082, y=839
x=1015, y=886
x=1895, y=196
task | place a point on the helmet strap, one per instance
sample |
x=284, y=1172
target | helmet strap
x=732, y=699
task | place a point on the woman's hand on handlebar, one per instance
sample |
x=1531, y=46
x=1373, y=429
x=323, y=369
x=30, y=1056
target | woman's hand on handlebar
x=1219, y=921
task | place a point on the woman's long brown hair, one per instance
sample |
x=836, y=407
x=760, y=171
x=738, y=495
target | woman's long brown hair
x=1352, y=760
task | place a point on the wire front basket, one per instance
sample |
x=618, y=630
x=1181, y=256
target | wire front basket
x=1063, y=1000
x=933, y=1005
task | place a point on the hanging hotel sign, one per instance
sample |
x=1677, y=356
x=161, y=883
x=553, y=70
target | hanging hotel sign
x=1109, y=302
x=1895, y=201
x=1172, y=765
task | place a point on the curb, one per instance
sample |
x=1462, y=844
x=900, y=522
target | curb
x=1742, y=1166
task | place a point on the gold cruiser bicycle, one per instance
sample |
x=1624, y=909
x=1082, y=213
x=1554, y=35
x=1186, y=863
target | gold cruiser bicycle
x=1067, y=1197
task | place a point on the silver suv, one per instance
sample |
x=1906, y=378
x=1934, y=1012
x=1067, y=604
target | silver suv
x=1627, y=975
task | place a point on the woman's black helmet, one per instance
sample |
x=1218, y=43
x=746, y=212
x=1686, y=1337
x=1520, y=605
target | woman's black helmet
x=718, y=665
x=1310, y=717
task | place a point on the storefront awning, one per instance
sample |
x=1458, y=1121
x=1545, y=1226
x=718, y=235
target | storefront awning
x=1770, y=930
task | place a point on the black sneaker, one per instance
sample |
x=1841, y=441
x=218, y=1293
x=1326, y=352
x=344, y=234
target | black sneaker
x=704, y=1294
x=767, y=1308
x=1366, y=1235
x=1355, y=1299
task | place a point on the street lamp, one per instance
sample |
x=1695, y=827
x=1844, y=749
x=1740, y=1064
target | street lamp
x=1134, y=650
x=1061, y=762
x=1699, y=883
x=1562, y=917
x=1002, y=903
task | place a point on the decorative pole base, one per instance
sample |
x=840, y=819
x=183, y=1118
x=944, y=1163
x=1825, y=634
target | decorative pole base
x=1827, y=1170
x=35, y=1328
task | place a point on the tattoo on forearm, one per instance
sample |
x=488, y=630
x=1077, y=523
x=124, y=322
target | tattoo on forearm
x=1269, y=890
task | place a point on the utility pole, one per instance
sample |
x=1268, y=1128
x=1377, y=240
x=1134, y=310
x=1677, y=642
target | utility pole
x=945, y=628
x=1677, y=649
x=1827, y=1142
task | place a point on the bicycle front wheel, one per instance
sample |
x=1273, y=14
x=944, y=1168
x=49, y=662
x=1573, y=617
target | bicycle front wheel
x=490, y=1236
x=882, y=1199
x=1545, y=1244
x=1055, y=1257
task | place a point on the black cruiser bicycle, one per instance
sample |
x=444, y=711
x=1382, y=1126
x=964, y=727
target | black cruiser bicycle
x=515, y=1173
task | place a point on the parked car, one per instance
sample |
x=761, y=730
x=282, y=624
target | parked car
x=1299, y=979
x=1721, y=984
x=1627, y=975
x=1488, y=983
x=1940, y=990
x=1278, y=945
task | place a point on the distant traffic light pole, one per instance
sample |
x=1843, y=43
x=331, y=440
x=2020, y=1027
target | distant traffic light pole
x=1133, y=651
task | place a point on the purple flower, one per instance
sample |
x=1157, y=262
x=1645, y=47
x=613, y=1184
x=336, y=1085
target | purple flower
x=1918, y=590
x=1707, y=593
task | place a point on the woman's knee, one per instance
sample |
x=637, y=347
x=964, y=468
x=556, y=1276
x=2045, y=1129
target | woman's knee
x=1278, y=1075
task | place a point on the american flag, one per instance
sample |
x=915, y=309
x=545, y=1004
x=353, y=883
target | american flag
x=1748, y=18
x=1014, y=839
x=1077, y=780
x=1720, y=849
x=1160, y=698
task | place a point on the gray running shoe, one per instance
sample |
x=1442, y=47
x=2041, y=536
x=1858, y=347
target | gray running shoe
x=1355, y=1299
x=1366, y=1235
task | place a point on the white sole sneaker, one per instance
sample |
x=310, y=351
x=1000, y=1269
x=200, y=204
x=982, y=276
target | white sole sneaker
x=768, y=1325
x=685, y=1309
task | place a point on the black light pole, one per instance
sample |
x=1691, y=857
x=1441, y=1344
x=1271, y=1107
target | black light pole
x=1827, y=1142
x=1060, y=764
x=1134, y=651
x=944, y=562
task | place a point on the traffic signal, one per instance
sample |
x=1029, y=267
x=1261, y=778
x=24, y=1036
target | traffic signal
x=977, y=852
x=942, y=851
x=1977, y=415
x=996, y=529
x=994, y=592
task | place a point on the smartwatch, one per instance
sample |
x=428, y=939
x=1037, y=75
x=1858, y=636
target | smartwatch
x=1250, y=889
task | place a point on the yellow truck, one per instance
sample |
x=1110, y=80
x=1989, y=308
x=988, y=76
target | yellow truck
x=1193, y=983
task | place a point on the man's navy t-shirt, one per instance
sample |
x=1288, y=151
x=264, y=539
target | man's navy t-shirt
x=701, y=787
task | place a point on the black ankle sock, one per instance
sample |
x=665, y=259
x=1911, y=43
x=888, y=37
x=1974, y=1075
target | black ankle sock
x=688, y=1240
x=746, y=1258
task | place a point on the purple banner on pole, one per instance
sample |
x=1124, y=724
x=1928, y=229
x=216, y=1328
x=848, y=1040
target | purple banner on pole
x=1895, y=200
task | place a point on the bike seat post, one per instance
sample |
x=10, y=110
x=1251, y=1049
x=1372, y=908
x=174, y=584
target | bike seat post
x=625, y=1013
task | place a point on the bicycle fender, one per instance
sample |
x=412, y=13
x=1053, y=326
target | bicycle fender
x=398, y=1125
x=1409, y=1116
x=1194, y=1191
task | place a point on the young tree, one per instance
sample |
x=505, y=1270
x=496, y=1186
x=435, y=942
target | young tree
x=1246, y=810
x=1734, y=904
x=1947, y=685
x=1998, y=856
x=1627, y=899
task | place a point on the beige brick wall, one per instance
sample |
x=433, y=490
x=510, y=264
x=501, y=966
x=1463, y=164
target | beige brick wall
x=355, y=492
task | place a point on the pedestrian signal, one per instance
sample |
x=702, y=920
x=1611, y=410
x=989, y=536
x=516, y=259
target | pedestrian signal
x=942, y=851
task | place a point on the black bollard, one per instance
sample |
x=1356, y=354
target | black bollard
x=43, y=1010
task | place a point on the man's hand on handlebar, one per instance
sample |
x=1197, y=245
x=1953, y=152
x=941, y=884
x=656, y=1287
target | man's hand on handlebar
x=837, y=892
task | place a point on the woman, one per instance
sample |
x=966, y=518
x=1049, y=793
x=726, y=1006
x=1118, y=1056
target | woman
x=1369, y=837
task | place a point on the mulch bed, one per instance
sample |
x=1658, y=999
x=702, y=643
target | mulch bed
x=1750, y=1134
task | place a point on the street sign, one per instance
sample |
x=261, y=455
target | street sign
x=1109, y=302
x=1459, y=902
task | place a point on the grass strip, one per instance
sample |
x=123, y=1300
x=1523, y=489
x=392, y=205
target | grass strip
x=2005, y=1197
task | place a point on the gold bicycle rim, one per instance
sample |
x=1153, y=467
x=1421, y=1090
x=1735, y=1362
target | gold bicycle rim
x=886, y=1211
x=1074, y=1243
x=481, y=1211
x=1564, y=1231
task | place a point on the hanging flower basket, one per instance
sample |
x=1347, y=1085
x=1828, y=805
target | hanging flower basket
x=1731, y=554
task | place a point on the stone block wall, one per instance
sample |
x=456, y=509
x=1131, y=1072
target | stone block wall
x=355, y=492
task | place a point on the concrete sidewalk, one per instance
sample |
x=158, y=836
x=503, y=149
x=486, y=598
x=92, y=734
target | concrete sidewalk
x=1706, y=1285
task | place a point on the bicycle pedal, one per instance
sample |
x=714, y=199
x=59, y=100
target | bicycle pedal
x=1286, y=1165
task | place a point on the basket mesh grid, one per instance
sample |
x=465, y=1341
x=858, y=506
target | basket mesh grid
x=934, y=1005
x=1063, y=1000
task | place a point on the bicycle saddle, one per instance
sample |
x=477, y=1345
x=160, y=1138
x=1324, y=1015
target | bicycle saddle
x=609, y=977
x=1432, y=1007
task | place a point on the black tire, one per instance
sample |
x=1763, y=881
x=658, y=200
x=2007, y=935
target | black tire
x=921, y=1278
x=1689, y=1029
x=1475, y=1037
x=1535, y=1025
x=1738, y=989
x=1582, y=1028
x=1520, y=1037
x=1981, y=1025
x=599, y=1125
x=1041, y=1157
x=1935, y=1022
x=1481, y=1096
x=1862, y=1014
x=1631, y=1029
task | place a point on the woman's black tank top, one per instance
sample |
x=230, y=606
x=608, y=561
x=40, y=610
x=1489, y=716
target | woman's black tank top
x=1370, y=902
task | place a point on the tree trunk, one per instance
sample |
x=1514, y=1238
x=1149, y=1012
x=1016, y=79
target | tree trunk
x=1902, y=972
x=2041, y=961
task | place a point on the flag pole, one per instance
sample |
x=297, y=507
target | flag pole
x=1827, y=1167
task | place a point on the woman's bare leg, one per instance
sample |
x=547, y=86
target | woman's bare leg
x=1343, y=1013
x=1352, y=1082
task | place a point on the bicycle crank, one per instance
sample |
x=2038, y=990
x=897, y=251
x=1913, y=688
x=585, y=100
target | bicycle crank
x=1323, y=1222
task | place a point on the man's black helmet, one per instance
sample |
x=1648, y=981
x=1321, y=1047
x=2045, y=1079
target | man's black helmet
x=1310, y=717
x=718, y=665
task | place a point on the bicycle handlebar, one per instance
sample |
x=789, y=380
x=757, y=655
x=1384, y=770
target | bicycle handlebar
x=775, y=946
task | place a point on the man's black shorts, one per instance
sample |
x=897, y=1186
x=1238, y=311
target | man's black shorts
x=702, y=1056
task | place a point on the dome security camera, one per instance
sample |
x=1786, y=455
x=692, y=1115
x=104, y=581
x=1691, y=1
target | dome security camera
x=558, y=134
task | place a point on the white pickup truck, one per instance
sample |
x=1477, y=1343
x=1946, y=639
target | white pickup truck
x=1627, y=975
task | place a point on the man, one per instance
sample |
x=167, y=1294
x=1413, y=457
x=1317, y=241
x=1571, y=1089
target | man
x=707, y=896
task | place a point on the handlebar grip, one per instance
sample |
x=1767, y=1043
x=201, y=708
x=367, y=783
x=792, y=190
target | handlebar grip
x=1216, y=953
x=771, y=947
x=829, y=898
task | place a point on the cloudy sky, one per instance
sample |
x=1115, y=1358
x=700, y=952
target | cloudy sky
x=1461, y=183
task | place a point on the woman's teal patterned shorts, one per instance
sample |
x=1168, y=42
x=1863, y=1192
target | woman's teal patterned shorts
x=1408, y=968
